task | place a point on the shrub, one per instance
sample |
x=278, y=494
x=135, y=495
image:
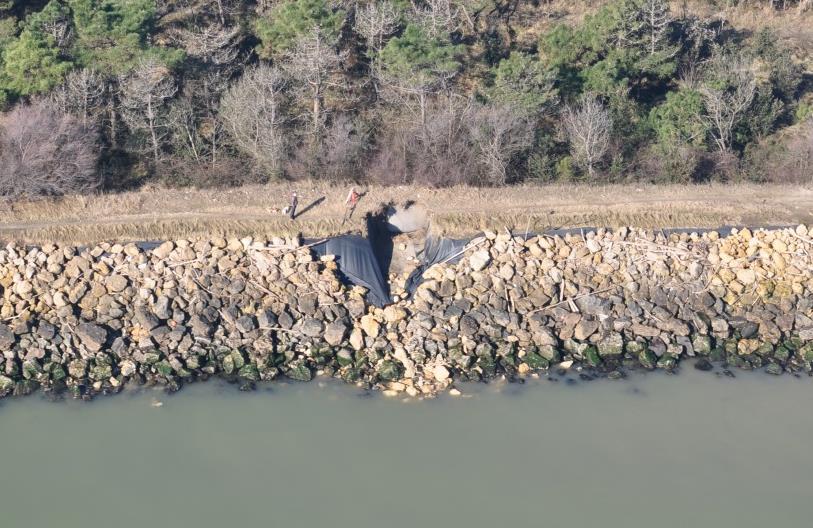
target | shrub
x=226, y=172
x=669, y=163
x=44, y=152
x=783, y=160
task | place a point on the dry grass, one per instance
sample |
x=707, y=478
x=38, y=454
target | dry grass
x=255, y=210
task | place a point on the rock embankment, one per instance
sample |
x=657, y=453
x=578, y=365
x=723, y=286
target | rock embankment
x=91, y=320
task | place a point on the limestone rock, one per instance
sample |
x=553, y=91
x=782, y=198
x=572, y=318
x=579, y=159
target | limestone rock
x=356, y=339
x=370, y=325
x=312, y=327
x=746, y=276
x=479, y=260
x=163, y=251
x=116, y=283
x=335, y=332
x=393, y=314
x=92, y=336
x=440, y=372
x=584, y=329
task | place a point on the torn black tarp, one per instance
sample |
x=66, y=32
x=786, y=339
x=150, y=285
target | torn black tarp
x=358, y=263
x=435, y=250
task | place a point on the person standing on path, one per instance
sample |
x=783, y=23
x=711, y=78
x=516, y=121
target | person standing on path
x=292, y=207
x=350, y=204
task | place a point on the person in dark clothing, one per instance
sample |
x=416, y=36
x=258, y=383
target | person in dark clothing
x=292, y=207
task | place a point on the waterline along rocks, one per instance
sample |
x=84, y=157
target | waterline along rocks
x=91, y=320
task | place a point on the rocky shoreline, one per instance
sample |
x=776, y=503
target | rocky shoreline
x=89, y=321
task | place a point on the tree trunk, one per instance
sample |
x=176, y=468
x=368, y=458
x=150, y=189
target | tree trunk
x=422, y=102
x=113, y=124
x=220, y=12
x=317, y=111
x=214, y=144
x=153, y=135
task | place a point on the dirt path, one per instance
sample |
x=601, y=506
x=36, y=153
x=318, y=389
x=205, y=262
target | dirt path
x=256, y=210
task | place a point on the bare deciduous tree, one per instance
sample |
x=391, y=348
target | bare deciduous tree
x=145, y=94
x=657, y=18
x=313, y=62
x=588, y=126
x=375, y=22
x=212, y=44
x=219, y=49
x=253, y=111
x=60, y=30
x=81, y=94
x=727, y=99
x=339, y=156
x=438, y=17
x=183, y=121
x=46, y=152
x=499, y=134
x=226, y=8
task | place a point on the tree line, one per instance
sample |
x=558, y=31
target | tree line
x=116, y=93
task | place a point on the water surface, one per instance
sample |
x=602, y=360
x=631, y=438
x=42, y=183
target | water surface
x=654, y=450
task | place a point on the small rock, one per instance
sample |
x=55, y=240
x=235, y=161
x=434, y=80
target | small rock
x=116, y=283
x=703, y=364
x=774, y=369
x=370, y=325
x=163, y=250
x=746, y=276
x=356, y=339
x=584, y=329
x=92, y=336
x=440, y=372
x=393, y=314
x=479, y=260
x=246, y=324
x=335, y=332
x=7, y=337
x=161, y=308
x=312, y=327
x=468, y=325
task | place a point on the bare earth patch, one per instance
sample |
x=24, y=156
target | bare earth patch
x=256, y=210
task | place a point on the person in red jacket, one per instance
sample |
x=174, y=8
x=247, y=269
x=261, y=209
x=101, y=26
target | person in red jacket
x=350, y=204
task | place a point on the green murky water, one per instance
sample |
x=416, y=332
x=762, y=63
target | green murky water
x=654, y=451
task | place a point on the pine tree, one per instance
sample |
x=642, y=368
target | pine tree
x=523, y=82
x=280, y=29
x=32, y=64
x=114, y=35
x=417, y=65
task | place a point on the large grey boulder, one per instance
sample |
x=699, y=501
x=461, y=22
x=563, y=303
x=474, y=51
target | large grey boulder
x=92, y=336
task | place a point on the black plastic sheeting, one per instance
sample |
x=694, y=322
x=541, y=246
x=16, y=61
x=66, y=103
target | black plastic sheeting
x=435, y=250
x=358, y=263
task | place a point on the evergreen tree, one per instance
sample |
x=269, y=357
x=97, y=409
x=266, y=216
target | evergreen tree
x=678, y=119
x=114, y=35
x=522, y=82
x=280, y=29
x=417, y=65
x=35, y=61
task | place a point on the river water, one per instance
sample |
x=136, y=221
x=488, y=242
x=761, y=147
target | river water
x=691, y=450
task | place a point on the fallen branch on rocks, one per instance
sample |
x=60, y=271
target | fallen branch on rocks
x=572, y=299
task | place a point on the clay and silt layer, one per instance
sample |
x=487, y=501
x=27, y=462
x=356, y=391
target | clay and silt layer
x=94, y=320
